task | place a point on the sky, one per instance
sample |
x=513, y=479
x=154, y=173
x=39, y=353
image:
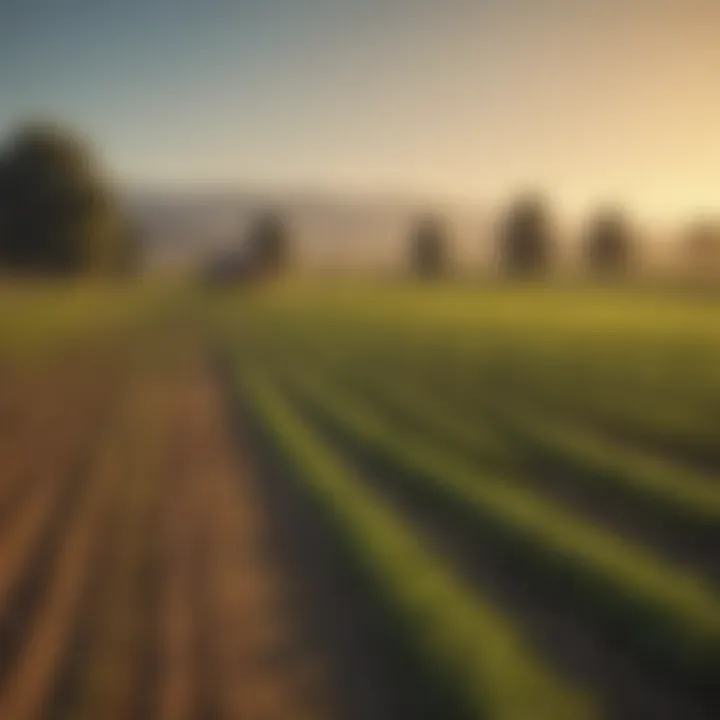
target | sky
x=592, y=101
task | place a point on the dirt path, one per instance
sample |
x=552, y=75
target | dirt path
x=171, y=573
x=48, y=546
x=161, y=597
x=39, y=428
x=255, y=664
x=32, y=535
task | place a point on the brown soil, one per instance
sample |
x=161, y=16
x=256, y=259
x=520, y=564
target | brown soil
x=159, y=565
x=137, y=578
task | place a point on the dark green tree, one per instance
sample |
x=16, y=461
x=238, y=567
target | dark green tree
x=267, y=245
x=429, y=248
x=608, y=243
x=526, y=238
x=57, y=214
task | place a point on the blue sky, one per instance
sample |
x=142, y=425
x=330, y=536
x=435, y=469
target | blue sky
x=593, y=101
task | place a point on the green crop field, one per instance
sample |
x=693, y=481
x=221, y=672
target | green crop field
x=488, y=501
x=527, y=478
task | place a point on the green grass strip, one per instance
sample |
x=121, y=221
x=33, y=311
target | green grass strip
x=664, y=609
x=674, y=488
x=470, y=645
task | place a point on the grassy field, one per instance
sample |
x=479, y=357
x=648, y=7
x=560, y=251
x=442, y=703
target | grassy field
x=526, y=476
x=390, y=501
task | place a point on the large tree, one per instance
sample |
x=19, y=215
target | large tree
x=609, y=242
x=57, y=214
x=429, y=248
x=526, y=238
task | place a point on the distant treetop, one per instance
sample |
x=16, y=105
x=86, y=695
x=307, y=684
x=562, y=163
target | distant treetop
x=267, y=244
x=608, y=243
x=526, y=237
x=429, y=247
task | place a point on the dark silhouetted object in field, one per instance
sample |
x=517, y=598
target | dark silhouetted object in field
x=132, y=251
x=264, y=253
x=230, y=267
x=429, y=248
x=267, y=251
x=526, y=238
x=608, y=243
x=701, y=249
x=58, y=216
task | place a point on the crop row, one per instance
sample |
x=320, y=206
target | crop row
x=474, y=650
x=593, y=393
x=665, y=613
x=499, y=430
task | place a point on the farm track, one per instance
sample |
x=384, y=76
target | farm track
x=45, y=606
x=36, y=414
x=256, y=665
x=553, y=621
x=63, y=705
x=108, y=667
x=32, y=535
x=182, y=674
x=139, y=575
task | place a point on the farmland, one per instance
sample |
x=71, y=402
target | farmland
x=364, y=501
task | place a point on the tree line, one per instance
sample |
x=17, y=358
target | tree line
x=59, y=216
x=526, y=244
